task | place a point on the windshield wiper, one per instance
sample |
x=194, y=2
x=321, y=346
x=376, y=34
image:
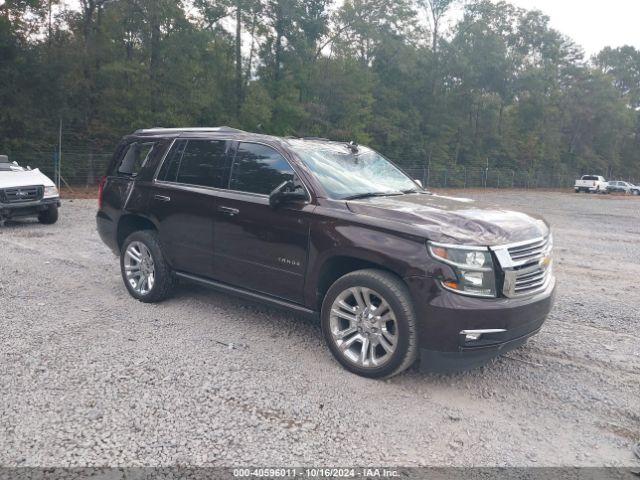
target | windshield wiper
x=372, y=194
x=413, y=190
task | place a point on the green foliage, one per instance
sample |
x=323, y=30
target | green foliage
x=499, y=86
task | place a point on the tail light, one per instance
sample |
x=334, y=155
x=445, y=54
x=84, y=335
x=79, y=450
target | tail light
x=103, y=180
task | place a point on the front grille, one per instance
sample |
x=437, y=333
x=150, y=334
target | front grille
x=529, y=252
x=531, y=280
x=527, y=266
x=22, y=194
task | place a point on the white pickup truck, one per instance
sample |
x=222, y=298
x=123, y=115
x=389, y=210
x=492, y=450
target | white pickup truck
x=26, y=193
x=591, y=184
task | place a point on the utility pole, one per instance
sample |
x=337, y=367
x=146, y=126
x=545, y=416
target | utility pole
x=50, y=29
x=59, y=154
x=486, y=173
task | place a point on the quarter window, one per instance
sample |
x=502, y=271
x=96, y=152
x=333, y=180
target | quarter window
x=135, y=157
x=258, y=169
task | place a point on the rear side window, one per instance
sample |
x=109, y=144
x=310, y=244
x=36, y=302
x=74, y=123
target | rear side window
x=169, y=170
x=204, y=162
x=196, y=162
x=135, y=156
x=258, y=169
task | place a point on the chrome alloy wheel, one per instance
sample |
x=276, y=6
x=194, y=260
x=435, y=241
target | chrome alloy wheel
x=364, y=327
x=139, y=268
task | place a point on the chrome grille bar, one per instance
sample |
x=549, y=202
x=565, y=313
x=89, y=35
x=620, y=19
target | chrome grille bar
x=22, y=194
x=526, y=265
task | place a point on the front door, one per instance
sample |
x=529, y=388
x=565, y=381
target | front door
x=258, y=247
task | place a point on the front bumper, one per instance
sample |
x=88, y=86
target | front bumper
x=445, y=315
x=27, y=209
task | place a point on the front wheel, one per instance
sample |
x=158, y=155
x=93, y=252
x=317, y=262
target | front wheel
x=369, y=324
x=145, y=271
x=49, y=216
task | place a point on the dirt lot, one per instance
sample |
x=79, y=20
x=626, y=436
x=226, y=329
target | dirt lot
x=88, y=376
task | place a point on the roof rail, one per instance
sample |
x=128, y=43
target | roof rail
x=322, y=139
x=316, y=138
x=187, y=129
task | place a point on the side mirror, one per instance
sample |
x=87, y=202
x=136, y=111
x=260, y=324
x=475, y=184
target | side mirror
x=285, y=193
x=418, y=182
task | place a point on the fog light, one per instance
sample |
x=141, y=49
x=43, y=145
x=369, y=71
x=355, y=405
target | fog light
x=475, y=335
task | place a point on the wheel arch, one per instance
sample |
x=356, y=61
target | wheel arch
x=336, y=266
x=132, y=223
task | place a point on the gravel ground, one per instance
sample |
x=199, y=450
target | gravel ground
x=89, y=376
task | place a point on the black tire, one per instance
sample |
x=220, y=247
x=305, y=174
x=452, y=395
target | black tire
x=164, y=279
x=49, y=216
x=396, y=293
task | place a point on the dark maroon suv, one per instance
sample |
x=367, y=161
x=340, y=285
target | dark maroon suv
x=328, y=229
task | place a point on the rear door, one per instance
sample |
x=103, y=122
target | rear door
x=184, y=199
x=258, y=247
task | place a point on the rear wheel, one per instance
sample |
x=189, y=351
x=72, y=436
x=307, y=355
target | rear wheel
x=49, y=216
x=145, y=271
x=369, y=324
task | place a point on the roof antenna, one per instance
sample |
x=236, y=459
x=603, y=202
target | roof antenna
x=353, y=146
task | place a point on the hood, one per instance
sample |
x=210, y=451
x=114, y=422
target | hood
x=26, y=178
x=453, y=220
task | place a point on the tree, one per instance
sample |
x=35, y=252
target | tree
x=499, y=84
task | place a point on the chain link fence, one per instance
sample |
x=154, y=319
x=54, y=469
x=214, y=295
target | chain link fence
x=76, y=169
x=85, y=170
x=478, y=177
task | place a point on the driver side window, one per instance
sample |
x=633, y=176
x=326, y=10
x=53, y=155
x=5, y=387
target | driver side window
x=258, y=169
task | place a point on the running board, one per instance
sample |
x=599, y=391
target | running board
x=250, y=295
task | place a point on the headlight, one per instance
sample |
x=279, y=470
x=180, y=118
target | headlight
x=473, y=266
x=50, y=192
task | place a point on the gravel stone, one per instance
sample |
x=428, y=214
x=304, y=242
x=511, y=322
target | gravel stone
x=90, y=376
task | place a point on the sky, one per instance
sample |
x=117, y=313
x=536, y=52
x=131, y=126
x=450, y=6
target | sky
x=593, y=24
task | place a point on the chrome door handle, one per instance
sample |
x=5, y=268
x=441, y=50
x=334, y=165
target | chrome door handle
x=230, y=212
x=162, y=198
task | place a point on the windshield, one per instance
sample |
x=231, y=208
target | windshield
x=344, y=174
